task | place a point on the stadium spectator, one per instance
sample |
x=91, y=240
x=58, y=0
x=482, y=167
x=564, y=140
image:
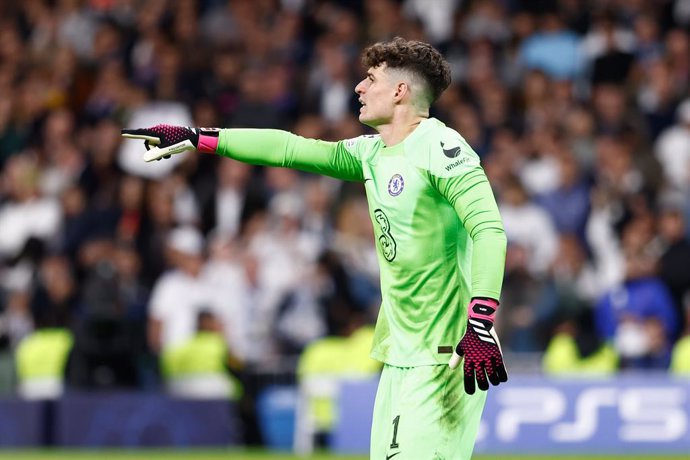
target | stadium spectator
x=609, y=50
x=245, y=299
x=639, y=315
x=158, y=221
x=109, y=346
x=672, y=148
x=225, y=205
x=322, y=367
x=199, y=367
x=570, y=291
x=568, y=204
x=656, y=97
x=522, y=292
x=539, y=172
x=675, y=251
x=179, y=294
x=16, y=321
x=55, y=292
x=576, y=350
x=553, y=48
x=529, y=226
x=29, y=219
x=331, y=80
x=41, y=358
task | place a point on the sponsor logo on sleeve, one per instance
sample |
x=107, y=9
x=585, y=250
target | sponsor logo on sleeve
x=452, y=152
x=459, y=162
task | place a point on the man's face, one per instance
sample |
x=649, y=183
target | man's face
x=376, y=94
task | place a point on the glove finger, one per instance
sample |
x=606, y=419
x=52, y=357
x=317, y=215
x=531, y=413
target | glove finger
x=501, y=372
x=135, y=132
x=494, y=377
x=153, y=154
x=482, y=382
x=144, y=132
x=469, y=380
x=454, y=360
x=141, y=133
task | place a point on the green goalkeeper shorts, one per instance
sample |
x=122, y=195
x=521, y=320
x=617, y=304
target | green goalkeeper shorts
x=423, y=413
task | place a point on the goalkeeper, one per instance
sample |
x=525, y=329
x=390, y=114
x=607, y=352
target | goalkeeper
x=440, y=244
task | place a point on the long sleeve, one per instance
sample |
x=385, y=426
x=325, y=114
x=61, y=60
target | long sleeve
x=272, y=147
x=471, y=196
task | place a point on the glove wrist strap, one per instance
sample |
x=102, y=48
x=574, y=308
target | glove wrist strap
x=483, y=309
x=208, y=140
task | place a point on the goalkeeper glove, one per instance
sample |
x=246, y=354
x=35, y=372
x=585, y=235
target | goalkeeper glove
x=169, y=140
x=480, y=348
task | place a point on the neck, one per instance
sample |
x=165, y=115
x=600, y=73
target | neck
x=398, y=129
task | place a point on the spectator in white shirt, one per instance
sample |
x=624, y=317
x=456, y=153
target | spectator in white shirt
x=672, y=149
x=180, y=293
x=26, y=214
x=529, y=226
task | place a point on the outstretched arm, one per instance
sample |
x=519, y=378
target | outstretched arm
x=269, y=147
x=273, y=147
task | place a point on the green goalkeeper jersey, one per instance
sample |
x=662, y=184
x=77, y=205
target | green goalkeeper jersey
x=440, y=240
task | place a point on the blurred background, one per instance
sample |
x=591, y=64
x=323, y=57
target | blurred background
x=200, y=301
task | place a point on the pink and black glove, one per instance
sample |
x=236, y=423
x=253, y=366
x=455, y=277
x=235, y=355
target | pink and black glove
x=167, y=140
x=480, y=348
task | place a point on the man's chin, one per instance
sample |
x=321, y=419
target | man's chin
x=366, y=121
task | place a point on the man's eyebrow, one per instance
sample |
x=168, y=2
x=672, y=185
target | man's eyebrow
x=370, y=74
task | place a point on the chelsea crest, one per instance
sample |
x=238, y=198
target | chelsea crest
x=396, y=185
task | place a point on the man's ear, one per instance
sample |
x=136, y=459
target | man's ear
x=402, y=89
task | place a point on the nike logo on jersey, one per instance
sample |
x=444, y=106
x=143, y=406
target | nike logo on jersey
x=367, y=179
x=451, y=153
x=388, y=457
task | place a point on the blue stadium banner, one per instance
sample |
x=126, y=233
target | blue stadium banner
x=628, y=414
x=22, y=423
x=143, y=420
x=355, y=413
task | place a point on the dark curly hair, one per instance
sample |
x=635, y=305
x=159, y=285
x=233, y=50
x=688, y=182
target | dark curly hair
x=418, y=57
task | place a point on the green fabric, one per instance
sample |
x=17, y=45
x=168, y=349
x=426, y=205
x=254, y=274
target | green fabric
x=680, y=359
x=440, y=239
x=563, y=358
x=273, y=147
x=43, y=354
x=424, y=413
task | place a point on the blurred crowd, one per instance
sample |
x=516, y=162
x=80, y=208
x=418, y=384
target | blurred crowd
x=580, y=111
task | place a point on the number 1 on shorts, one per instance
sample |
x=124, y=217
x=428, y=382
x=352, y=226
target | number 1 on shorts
x=394, y=444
